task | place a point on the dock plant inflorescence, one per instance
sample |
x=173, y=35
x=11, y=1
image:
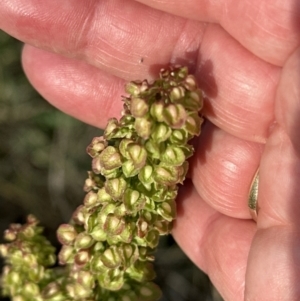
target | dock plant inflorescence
x=108, y=247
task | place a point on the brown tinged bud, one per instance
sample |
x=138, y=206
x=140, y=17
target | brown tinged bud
x=82, y=258
x=66, y=234
x=91, y=199
x=10, y=235
x=138, y=155
x=114, y=225
x=111, y=258
x=111, y=128
x=78, y=215
x=138, y=107
x=83, y=241
x=110, y=158
x=174, y=115
x=133, y=201
x=66, y=255
x=173, y=156
x=143, y=127
x=136, y=87
x=53, y=292
x=97, y=145
x=193, y=124
x=115, y=187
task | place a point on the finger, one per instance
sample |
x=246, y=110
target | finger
x=219, y=245
x=240, y=101
x=276, y=246
x=240, y=88
x=115, y=39
x=76, y=88
x=270, y=31
x=280, y=174
x=222, y=170
x=112, y=35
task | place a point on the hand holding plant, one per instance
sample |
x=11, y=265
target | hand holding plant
x=245, y=57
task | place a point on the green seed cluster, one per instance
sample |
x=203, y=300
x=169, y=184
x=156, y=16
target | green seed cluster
x=28, y=258
x=108, y=245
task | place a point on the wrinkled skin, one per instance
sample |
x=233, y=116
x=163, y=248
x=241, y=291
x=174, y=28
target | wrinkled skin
x=246, y=57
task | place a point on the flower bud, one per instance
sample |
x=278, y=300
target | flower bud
x=174, y=115
x=194, y=101
x=83, y=241
x=111, y=128
x=163, y=227
x=123, y=147
x=115, y=187
x=129, y=254
x=177, y=93
x=138, y=107
x=153, y=148
x=98, y=234
x=97, y=145
x=156, y=111
x=141, y=271
x=78, y=215
x=138, y=155
x=166, y=175
x=4, y=250
x=112, y=280
x=136, y=87
x=110, y=158
x=103, y=196
x=105, y=211
x=193, y=124
x=53, y=292
x=127, y=234
x=96, y=167
x=173, y=156
x=143, y=127
x=145, y=174
x=161, y=133
x=114, y=225
x=91, y=199
x=66, y=255
x=77, y=291
x=133, y=201
x=142, y=227
x=190, y=83
x=167, y=210
x=82, y=258
x=86, y=279
x=132, y=88
x=111, y=258
x=129, y=170
x=152, y=238
x=10, y=235
x=66, y=234
x=178, y=137
x=31, y=290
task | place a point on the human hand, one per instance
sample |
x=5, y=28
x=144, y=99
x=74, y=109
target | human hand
x=241, y=54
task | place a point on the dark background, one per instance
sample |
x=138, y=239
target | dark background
x=43, y=166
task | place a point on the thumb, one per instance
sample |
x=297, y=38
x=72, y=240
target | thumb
x=274, y=263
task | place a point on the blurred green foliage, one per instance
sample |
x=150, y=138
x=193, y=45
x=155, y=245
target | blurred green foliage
x=42, y=151
x=42, y=171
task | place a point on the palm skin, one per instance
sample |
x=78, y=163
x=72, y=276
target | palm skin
x=246, y=57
